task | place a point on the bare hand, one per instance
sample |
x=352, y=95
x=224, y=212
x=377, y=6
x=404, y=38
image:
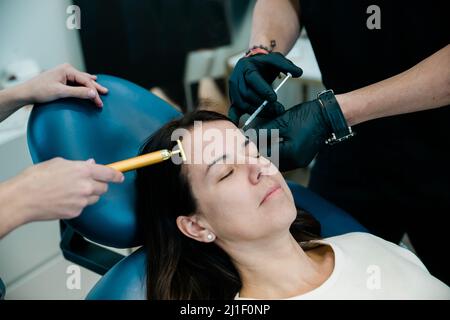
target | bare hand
x=63, y=81
x=61, y=189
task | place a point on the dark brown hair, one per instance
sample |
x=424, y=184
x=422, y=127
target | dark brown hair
x=179, y=267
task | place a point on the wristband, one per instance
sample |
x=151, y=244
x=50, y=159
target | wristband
x=261, y=49
x=341, y=131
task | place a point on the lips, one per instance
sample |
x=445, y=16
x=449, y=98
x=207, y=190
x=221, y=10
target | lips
x=270, y=192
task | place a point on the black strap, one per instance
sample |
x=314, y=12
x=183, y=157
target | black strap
x=341, y=131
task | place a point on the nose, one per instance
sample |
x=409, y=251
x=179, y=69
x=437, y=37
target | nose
x=259, y=169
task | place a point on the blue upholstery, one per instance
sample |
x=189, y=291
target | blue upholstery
x=125, y=281
x=334, y=221
x=75, y=129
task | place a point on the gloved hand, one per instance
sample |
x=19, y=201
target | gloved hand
x=250, y=84
x=303, y=129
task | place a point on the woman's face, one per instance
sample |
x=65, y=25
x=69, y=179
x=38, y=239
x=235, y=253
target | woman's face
x=240, y=196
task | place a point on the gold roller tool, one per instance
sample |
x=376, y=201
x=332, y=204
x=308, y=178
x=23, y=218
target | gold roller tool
x=147, y=159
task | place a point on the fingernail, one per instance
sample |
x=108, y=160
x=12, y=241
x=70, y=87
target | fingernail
x=90, y=160
x=122, y=178
x=92, y=93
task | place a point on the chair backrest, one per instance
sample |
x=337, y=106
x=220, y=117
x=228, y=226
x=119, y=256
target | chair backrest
x=77, y=130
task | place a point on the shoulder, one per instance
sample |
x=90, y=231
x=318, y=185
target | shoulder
x=354, y=242
x=371, y=244
x=353, y=237
x=360, y=238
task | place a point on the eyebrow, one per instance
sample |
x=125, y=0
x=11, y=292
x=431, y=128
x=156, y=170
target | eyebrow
x=223, y=157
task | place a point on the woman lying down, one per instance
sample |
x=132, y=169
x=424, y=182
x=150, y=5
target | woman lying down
x=230, y=230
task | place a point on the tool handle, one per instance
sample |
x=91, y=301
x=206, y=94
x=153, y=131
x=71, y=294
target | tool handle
x=140, y=161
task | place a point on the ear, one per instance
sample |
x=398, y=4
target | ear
x=190, y=227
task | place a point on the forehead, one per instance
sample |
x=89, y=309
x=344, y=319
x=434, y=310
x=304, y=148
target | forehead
x=206, y=141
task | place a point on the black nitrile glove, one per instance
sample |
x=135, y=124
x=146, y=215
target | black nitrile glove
x=250, y=84
x=303, y=129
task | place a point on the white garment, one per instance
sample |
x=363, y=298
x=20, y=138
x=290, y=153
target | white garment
x=368, y=267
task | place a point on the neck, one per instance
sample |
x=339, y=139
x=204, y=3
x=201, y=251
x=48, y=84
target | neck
x=277, y=268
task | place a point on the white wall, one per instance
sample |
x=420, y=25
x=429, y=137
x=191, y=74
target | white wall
x=37, y=29
x=31, y=264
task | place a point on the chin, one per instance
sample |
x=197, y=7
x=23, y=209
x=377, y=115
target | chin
x=283, y=207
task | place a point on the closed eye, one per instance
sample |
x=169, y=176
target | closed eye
x=227, y=175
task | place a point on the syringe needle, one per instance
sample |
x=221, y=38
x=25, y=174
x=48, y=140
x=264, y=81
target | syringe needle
x=257, y=111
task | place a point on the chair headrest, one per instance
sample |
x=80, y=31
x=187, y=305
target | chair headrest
x=75, y=129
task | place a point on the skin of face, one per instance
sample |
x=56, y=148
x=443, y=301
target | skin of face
x=232, y=195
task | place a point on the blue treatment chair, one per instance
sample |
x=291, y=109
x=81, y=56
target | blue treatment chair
x=77, y=130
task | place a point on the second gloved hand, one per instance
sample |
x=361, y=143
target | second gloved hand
x=250, y=84
x=303, y=129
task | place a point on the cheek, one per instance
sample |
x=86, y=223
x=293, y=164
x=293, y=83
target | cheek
x=231, y=198
x=285, y=187
x=230, y=210
x=288, y=193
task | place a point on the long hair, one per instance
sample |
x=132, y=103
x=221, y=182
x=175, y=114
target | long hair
x=179, y=267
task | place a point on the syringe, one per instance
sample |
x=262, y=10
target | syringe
x=257, y=111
